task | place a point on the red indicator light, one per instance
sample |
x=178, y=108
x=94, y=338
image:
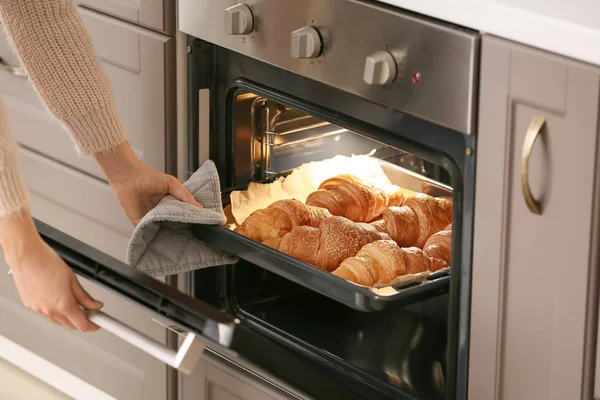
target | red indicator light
x=416, y=78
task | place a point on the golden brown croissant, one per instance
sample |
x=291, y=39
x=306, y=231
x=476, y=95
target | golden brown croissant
x=382, y=261
x=379, y=225
x=397, y=195
x=439, y=245
x=348, y=196
x=317, y=215
x=325, y=247
x=420, y=217
x=279, y=218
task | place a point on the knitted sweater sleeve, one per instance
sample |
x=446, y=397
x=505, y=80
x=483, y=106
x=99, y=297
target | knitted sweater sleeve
x=13, y=193
x=56, y=51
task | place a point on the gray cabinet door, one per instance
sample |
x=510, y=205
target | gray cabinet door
x=215, y=380
x=155, y=14
x=140, y=66
x=100, y=359
x=534, y=296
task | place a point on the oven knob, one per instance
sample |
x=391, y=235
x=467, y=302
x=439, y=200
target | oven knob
x=380, y=68
x=306, y=43
x=238, y=20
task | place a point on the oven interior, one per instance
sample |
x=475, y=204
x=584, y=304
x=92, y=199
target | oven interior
x=271, y=139
x=402, y=349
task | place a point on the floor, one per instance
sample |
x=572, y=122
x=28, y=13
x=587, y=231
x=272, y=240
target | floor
x=16, y=384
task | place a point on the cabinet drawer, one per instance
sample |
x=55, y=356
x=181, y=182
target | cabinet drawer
x=100, y=358
x=77, y=204
x=155, y=14
x=222, y=383
x=216, y=379
x=138, y=63
x=84, y=207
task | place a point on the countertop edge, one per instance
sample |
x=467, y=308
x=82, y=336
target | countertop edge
x=522, y=26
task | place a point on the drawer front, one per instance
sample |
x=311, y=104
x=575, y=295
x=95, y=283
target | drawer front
x=100, y=359
x=214, y=379
x=77, y=204
x=84, y=207
x=155, y=14
x=138, y=64
x=223, y=384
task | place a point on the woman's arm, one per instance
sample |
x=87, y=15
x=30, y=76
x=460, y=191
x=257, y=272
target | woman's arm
x=13, y=193
x=56, y=51
x=45, y=283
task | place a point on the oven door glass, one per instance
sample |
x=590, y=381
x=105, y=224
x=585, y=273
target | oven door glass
x=204, y=324
x=205, y=329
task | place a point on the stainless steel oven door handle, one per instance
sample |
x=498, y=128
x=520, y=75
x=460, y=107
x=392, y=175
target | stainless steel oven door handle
x=184, y=359
x=17, y=71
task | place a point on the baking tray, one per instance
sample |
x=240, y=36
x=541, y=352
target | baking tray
x=358, y=297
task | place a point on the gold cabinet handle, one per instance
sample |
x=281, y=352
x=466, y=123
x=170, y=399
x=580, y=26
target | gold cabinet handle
x=18, y=71
x=535, y=127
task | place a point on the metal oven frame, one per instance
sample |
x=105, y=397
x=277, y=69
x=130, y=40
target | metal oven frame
x=223, y=72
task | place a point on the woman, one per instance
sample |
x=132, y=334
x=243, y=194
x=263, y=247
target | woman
x=56, y=51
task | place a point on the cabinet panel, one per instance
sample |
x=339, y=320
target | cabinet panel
x=216, y=380
x=100, y=359
x=222, y=384
x=140, y=66
x=76, y=204
x=156, y=14
x=532, y=274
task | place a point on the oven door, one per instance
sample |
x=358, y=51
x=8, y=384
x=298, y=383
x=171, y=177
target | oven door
x=199, y=323
x=207, y=331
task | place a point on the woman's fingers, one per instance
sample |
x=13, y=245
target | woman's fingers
x=62, y=320
x=78, y=318
x=177, y=190
x=83, y=298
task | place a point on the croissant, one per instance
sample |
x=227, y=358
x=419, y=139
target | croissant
x=379, y=225
x=439, y=245
x=382, y=261
x=317, y=215
x=397, y=195
x=420, y=217
x=325, y=247
x=348, y=196
x=279, y=218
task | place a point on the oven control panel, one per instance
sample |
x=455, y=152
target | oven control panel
x=306, y=43
x=409, y=63
x=380, y=68
x=238, y=20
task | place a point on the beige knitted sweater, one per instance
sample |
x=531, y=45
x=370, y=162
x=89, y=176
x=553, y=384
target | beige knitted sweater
x=56, y=51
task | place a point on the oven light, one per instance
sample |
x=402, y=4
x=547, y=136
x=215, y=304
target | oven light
x=337, y=138
x=416, y=78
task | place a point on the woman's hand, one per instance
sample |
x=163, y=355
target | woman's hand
x=45, y=283
x=138, y=187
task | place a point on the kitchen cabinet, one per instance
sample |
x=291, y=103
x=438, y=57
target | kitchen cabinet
x=534, y=297
x=76, y=204
x=155, y=14
x=70, y=193
x=140, y=65
x=100, y=359
x=216, y=380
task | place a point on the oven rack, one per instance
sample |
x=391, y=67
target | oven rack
x=357, y=297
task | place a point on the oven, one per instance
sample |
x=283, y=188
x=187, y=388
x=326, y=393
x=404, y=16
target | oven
x=340, y=86
x=285, y=84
